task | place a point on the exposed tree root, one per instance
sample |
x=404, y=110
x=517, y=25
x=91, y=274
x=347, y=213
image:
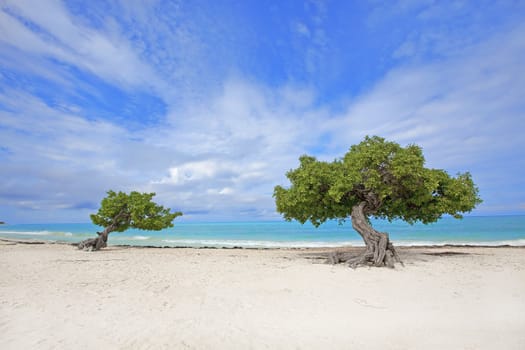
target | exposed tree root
x=379, y=250
x=365, y=259
x=92, y=244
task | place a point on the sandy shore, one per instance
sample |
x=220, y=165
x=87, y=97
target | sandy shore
x=56, y=297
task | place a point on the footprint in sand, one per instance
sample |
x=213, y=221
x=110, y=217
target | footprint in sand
x=363, y=302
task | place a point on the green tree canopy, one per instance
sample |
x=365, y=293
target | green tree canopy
x=381, y=178
x=135, y=210
x=120, y=211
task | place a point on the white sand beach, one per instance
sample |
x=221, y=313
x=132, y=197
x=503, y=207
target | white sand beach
x=57, y=297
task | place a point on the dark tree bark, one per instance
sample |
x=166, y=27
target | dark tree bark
x=95, y=243
x=379, y=250
x=101, y=241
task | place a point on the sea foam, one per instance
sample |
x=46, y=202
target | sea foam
x=255, y=244
x=140, y=238
x=30, y=233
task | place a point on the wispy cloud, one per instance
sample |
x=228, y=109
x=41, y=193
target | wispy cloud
x=465, y=102
x=238, y=145
x=46, y=30
x=210, y=110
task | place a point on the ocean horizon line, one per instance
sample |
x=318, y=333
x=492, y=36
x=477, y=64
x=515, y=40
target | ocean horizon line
x=185, y=220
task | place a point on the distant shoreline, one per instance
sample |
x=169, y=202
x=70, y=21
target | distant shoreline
x=402, y=247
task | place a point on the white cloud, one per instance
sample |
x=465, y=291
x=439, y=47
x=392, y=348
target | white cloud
x=301, y=29
x=222, y=153
x=239, y=144
x=191, y=171
x=461, y=105
x=56, y=34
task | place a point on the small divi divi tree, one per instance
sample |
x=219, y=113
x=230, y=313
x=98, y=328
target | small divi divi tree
x=376, y=178
x=121, y=211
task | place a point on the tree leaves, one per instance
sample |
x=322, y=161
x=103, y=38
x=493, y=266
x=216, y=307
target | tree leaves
x=392, y=180
x=134, y=210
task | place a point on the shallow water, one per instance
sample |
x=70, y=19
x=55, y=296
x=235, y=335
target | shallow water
x=473, y=230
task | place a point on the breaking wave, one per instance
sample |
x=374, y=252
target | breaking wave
x=32, y=233
x=254, y=244
x=140, y=238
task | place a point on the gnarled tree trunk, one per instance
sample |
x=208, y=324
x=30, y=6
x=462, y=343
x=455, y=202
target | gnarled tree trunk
x=102, y=239
x=96, y=243
x=379, y=250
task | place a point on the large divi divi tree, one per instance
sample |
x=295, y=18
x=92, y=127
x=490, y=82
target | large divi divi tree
x=121, y=211
x=376, y=178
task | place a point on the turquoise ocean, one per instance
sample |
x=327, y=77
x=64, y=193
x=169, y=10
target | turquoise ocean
x=472, y=230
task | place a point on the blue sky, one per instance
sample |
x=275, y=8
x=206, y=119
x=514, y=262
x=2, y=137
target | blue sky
x=209, y=103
